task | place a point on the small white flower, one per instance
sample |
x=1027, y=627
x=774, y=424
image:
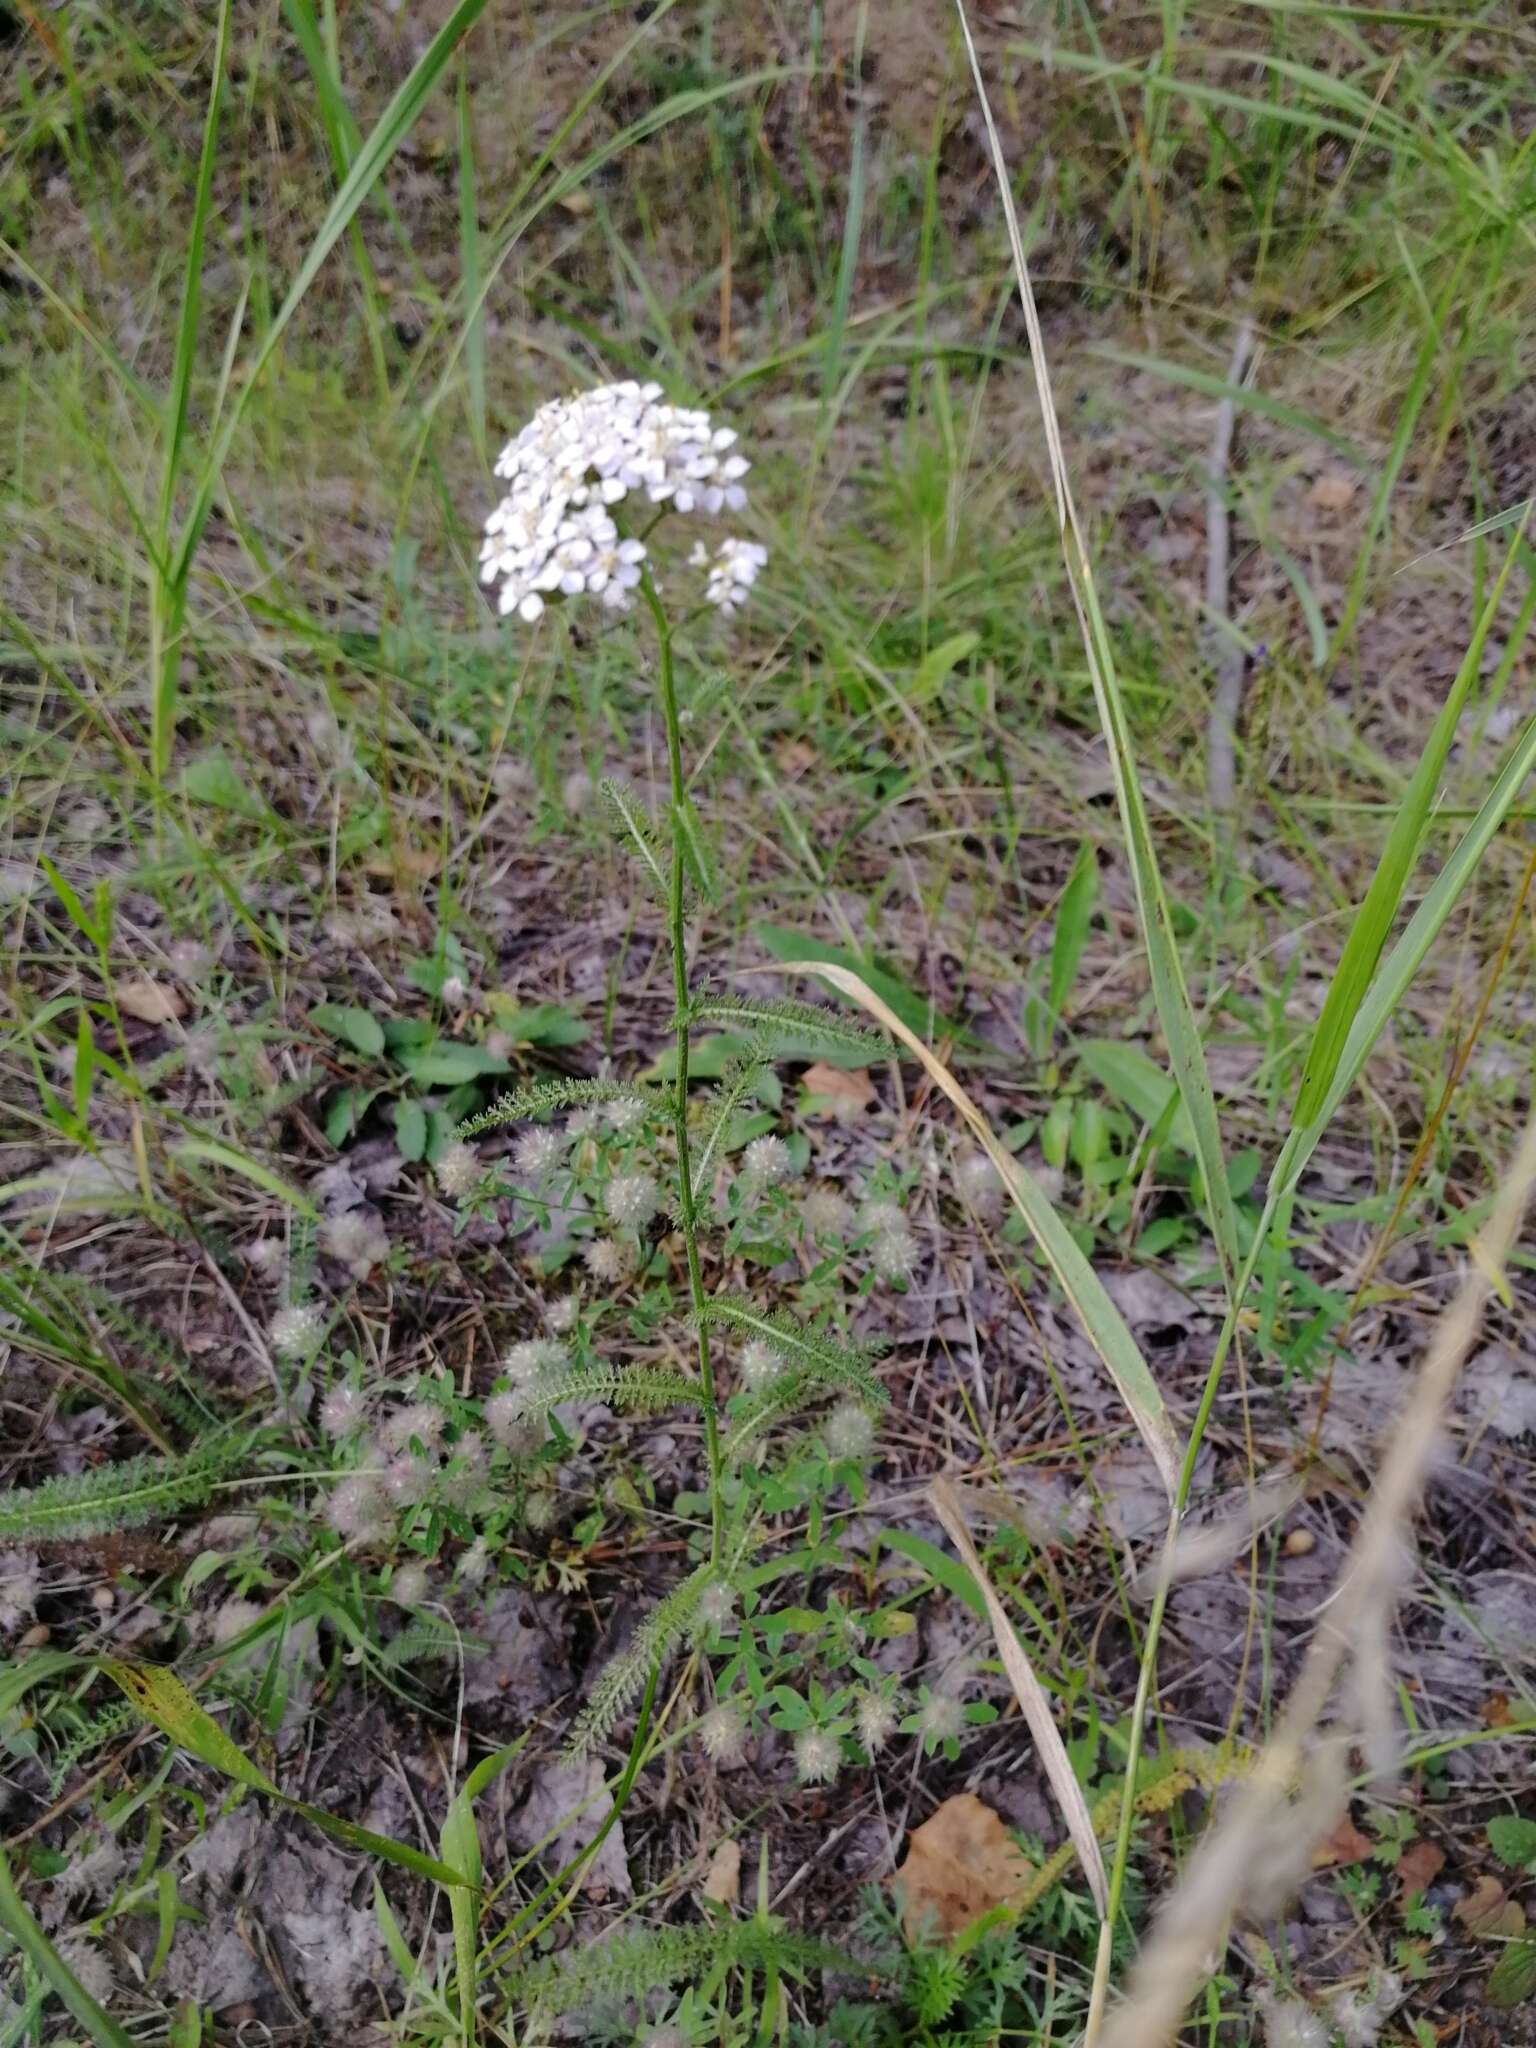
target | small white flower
x=723, y=1733
x=457, y=1170
x=732, y=574
x=631, y=1199
x=761, y=1364
x=826, y=1213
x=561, y=1315
x=818, y=1756
x=875, y=1717
x=850, y=1433
x=295, y=1331
x=942, y=1718
x=608, y=1260
x=87, y=1962
x=342, y=1411
x=538, y=1151
x=717, y=1605
x=767, y=1162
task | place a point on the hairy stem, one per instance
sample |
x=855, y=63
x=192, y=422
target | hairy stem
x=678, y=937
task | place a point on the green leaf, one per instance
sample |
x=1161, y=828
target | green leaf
x=51, y=1966
x=164, y=1701
x=1374, y=920
x=211, y=1153
x=460, y=1844
x=1133, y=1078
x=216, y=781
x=1513, y=1839
x=355, y=1027
x=411, y=1130
x=940, y=663
x=448, y=1066
x=698, y=861
x=1074, y=916
x=939, y=1566
x=1513, y=1977
x=637, y=829
x=548, y=1024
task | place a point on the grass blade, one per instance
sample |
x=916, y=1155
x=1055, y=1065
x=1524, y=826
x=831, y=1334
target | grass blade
x=1373, y=921
x=1174, y=1010
x=1033, y=1703
x=51, y=1966
x=391, y=129
x=1103, y=1322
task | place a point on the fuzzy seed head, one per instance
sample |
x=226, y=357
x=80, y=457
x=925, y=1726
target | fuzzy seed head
x=624, y=1114
x=761, y=1365
x=342, y=1411
x=632, y=1199
x=818, y=1756
x=234, y=1618
x=717, y=1605
x=875, y=1718
x=850, y=1433
x=295, y=1331
x=894, y=1254
x=475, y=1564
x=407, y=1481
x=357, y=1238
x=723, y=1733
x=826, y=1213
x=265, y=1255
x=418, y=1422
x=357, y=1509
x=457, y=1171
x=609, y=1261
x=561, y=1315
x=978, y=1183
x=409, y=1587
x=455, y=992
x=532, y=1359
x=538, y=1151
x=767, y=1163
x=942, y=1718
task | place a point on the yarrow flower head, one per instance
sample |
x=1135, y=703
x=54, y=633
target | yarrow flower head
x=732, y=574
x=554, y=534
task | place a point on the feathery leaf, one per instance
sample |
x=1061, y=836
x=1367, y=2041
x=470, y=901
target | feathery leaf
x=621, y=1386
x=631, y=823
x=817, y=1357
x=741, y=1076
x=567, y=1092
x=780, y=1018
x=653, y=1641
x=117, y=1496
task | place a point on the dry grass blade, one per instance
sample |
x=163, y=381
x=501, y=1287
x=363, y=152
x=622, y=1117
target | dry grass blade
x=1103, y=1322
x=1266, y=1828
x=1029, y=1693
x=1175, y=1012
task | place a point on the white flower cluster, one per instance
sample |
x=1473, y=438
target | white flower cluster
x=553, y=533
x=732, y=574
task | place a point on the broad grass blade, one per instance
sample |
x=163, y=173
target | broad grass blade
x=1374, y=920
x=51, y=1966
x=1032, y=1701
x=1174, y=1009
x=1103, y=1322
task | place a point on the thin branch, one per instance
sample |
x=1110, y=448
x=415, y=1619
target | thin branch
x=1227, y=652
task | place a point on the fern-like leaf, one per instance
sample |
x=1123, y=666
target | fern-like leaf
x=118, y=1496
x=567, y=1092
x=635, y=1387
x=426, y=1642
x=657, y=1636
x=817, y=1358
x=630, y=1965
x=781, y=1019
x=741, y=1076
x=630, y=823
x=92, y=1735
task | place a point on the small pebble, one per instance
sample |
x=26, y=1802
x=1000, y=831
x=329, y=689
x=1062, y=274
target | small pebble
x=35, y=1636
x=103, y=1599
x=1299, y=1542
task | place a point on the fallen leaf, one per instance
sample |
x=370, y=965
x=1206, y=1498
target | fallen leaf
x=1495, y=1711
x=1488, y=1913
x=796, y=758
x=149, y=1001
x=1333, y=490
x=1419, y=1865
x=960, y=1864
x=722, y=1882
x=842, y=1093
x=1345, y=1845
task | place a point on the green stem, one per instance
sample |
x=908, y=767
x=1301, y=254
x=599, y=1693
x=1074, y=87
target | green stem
x=679, y=940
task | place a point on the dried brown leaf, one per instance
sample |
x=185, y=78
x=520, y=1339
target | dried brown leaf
x=1488, y=1913
x=1345, y=1845
x=149, y=1002
x=722, y=1882
x=844, y=1094
x=961, y=1863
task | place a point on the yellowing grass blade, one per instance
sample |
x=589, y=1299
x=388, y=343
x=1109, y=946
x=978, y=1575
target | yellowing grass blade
x=1103, y=1322
x=1033, y=1703
x=1174, y=1009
